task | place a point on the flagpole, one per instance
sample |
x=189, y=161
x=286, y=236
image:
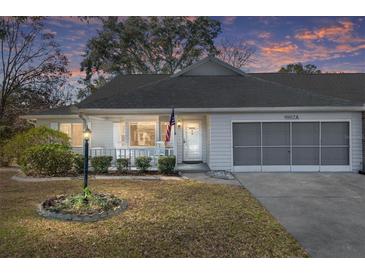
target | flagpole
x=175, y=140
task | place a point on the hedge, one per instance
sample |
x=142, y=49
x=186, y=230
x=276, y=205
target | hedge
x=15, y=148
x=143, y=163
x=101, y=163
x=166, y=164
x=49, y=160
x=122, y=165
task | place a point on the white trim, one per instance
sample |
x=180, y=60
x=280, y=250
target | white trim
x=276, y=168
x=246, y=168
x=53, y=116
x=294, y=168
x=302, y=168
x=335, y=168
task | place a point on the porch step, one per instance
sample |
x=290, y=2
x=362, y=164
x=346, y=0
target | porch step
x=191, y=168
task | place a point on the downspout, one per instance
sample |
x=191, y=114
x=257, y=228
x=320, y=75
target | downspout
x=75, y=110
x=363, y=141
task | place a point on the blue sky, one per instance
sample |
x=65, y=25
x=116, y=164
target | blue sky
x=334, y=44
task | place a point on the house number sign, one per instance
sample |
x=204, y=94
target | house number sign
x=291, y=116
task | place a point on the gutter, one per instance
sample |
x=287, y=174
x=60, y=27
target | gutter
x=82, y=112
x=101, y=111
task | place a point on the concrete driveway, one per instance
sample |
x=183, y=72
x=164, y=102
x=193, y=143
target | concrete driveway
x=324, y=212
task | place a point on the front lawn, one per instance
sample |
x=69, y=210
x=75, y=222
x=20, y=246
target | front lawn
x=164, y=219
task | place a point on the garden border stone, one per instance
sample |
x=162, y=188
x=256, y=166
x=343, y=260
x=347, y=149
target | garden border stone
x=82, y=218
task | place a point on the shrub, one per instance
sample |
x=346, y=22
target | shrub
x=17, y=145
x=78, y=163
x=143, y=163
x=122, y=165
x=101, y=163
x=50, y=160
x=6, y=133
x=166, y=164
x=4, y=160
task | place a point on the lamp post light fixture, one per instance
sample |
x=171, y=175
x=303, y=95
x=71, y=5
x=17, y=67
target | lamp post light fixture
x=87, y=135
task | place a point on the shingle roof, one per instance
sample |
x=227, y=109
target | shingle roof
x=120, y=85
x=251, y=90
x=350, y=86
x=213, y=92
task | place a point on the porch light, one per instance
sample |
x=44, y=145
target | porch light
x=87, y=134
x=179, y=123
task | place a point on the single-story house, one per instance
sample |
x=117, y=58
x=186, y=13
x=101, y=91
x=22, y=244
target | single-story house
x=225, y=118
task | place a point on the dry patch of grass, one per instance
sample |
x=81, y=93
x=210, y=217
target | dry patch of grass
x=164, y=219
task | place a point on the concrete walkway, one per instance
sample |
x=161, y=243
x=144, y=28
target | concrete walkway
x=324, y=212
x=203, y=177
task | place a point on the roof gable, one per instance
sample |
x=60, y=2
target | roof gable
x=209, y=66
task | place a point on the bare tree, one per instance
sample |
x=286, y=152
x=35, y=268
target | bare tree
x=32, y=67
x=238, y=54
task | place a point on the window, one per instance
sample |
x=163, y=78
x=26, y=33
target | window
x=142, y=134
x=74, y=131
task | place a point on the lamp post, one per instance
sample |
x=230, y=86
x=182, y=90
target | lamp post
x=87, y=134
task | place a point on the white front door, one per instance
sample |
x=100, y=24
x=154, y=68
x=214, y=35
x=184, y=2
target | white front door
x=192, y=141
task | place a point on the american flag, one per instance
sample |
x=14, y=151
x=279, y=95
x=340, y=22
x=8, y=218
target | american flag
x=171, y=123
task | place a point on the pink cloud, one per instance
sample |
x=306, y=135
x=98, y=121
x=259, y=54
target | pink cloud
x=285, y=47
x=344, y=27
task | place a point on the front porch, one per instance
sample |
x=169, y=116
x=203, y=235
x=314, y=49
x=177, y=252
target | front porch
x=133, y=135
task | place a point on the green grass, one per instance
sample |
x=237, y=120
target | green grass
x=164, y=219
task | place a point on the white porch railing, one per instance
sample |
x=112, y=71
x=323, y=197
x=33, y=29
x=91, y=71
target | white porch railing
x=129, y=153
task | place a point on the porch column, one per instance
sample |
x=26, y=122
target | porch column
x=174, y=132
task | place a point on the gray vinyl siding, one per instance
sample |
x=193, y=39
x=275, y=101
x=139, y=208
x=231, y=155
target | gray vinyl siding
x=210, y=68
x=220, y=154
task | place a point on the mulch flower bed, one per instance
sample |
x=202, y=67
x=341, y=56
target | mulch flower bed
x=137, y=173
x=75, y=208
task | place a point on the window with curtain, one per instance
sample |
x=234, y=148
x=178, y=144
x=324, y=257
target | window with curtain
x=74, y=131
x=142, y=134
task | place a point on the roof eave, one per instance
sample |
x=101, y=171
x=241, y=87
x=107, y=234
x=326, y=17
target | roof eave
x=104, y=111
x=48, y=116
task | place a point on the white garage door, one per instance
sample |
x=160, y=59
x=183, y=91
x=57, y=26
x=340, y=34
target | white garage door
x=291, y=146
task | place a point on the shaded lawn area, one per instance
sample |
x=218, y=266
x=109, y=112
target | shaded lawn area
x=164, y=219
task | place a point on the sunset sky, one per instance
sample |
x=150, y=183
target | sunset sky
x=334, y=44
